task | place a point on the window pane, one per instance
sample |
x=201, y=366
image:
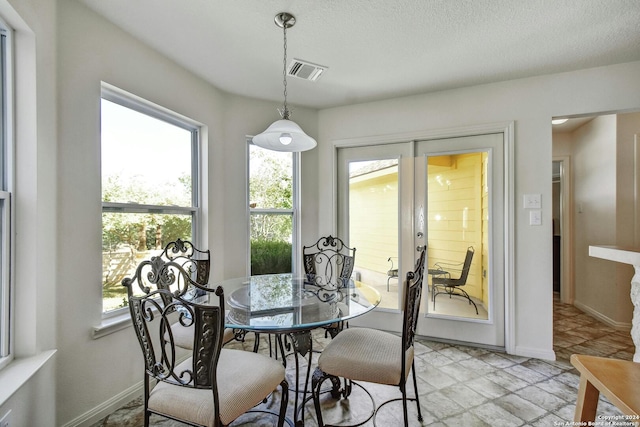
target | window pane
x=271, y=188
x=128, y=239
x=148, y=176
x=5, y=197
x=3, y=112
x=271, y=180
x=4, y=278
x=144, y=160
x=271, y=237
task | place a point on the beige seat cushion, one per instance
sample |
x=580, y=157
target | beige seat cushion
x=363, y=354
x=183, y=335
x=244, y=380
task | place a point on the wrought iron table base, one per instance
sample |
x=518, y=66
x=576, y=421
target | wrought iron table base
x=299, y=344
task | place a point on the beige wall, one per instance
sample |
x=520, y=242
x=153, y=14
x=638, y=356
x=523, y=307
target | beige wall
x=601, y=153
x=627, y=126
x=595, y=205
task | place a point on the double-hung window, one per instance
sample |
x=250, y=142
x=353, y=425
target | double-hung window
x=149, y=187
x=6, y=184
x=273, y=210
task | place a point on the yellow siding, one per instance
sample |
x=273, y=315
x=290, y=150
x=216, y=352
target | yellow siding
x=373, y=221
x=455, y=215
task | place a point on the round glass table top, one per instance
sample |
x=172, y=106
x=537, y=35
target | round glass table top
x=281, y=302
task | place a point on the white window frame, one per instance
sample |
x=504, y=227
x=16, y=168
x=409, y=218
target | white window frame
x=7, y=146
x=125, y=99
x=296, y=247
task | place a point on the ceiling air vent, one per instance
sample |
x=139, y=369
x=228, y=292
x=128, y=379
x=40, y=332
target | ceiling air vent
x=305, y=70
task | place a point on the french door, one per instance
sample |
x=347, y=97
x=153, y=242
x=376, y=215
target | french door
x=447, y=194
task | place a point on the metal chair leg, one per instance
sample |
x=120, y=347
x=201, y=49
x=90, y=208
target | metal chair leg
x=415, y=387
x=404, y=405
x=284, y=401
x=316, y=382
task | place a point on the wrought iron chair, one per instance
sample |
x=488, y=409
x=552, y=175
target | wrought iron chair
x=363, y=354
x=328, y=263
x=392, y=273
x=213, y=386
x=443, y=283
x=196, y=263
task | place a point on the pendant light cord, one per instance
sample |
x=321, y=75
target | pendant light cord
x=285, y=111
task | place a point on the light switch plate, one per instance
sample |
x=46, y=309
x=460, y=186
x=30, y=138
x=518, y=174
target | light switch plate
x=535, y=217
x=532, y=201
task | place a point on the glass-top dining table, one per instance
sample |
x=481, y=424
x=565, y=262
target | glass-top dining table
x=290, y=308
x=282, y=303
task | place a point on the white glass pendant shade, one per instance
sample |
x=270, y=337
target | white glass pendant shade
x=284, y=135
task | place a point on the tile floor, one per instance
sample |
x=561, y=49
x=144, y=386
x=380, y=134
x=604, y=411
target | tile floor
x=577, y=332
x=465, y=386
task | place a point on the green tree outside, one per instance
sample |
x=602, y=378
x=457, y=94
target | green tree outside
x=270, y=187
x=127, y=238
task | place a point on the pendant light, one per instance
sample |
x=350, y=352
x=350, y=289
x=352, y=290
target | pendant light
x=284, y=134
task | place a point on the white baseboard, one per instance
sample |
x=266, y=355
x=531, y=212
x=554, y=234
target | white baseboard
x=619, y=326
x=99, y=412
x=535, y=353
x=94, y=415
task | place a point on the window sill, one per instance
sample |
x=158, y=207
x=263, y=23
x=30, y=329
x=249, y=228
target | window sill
x=19, y=371
x=111, y=325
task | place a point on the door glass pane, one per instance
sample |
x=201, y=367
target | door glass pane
x=373, y=225
x=458, y=223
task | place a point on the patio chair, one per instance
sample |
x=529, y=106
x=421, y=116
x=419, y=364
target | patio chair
x=213, y=386
x=392, y=273
x=371, y=355
x=443, y=283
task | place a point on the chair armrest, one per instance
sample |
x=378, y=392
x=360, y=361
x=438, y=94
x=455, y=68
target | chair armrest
x=447, y=265
x=438, y=271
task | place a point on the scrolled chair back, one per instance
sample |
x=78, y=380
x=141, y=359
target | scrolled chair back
x=153, y=317
x=179, y=268
x=328, y=263
x=413, y=292
x=193, y=260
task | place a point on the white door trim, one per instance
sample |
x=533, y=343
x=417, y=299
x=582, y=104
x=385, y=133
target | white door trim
x=507, y=128
x=567, y=290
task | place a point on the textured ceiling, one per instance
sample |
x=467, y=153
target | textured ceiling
x=378, y=49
